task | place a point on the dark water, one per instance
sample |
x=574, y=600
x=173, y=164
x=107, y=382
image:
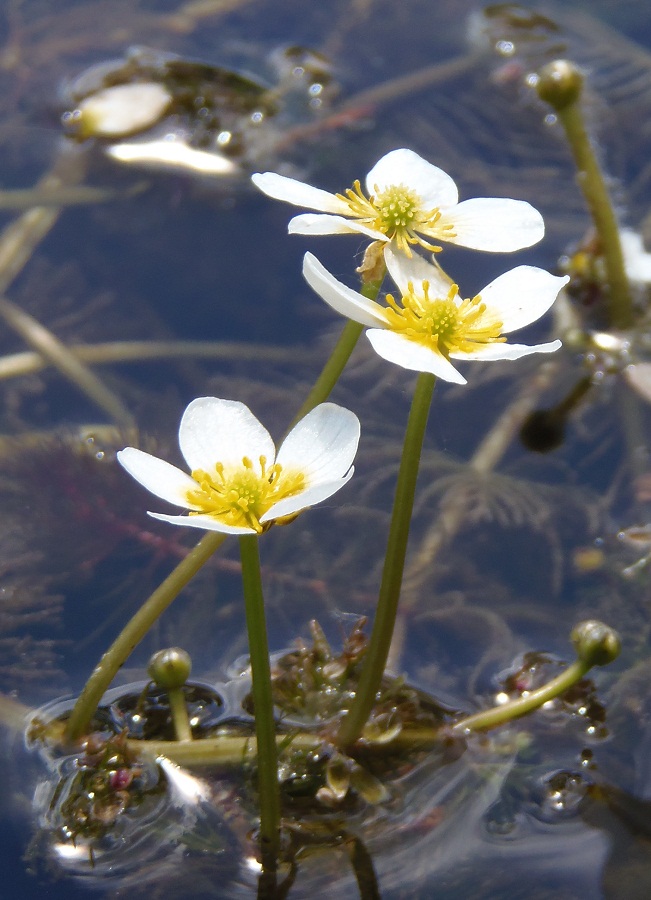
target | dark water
x=196, y=259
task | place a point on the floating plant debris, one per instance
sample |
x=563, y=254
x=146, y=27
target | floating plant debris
x=190, y=115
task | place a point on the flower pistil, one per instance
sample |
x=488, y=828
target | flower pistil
x=397, y=212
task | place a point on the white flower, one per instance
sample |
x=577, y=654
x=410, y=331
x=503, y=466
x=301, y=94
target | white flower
x=409, y=201
x=431, y=324
x=238, y=484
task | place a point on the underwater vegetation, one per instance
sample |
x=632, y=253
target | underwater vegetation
x=297, y=596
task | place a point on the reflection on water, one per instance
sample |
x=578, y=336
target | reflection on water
x=509, y=549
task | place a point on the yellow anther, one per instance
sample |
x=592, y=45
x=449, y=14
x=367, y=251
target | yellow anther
x=242, y=494
x=442, y=323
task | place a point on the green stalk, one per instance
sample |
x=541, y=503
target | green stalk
x=134, y=631
x=499, y=715
x=265, y=726
x=339, y=357
x=591, y=182
x=380, y=642
x=333, y=368
x=179, y=711
x=561, y=84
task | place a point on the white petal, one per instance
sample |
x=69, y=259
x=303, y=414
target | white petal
x=400, y=350
x=298, y=194
x=310, y=497
x=404, y=269
x=208, y=523
x=314, y=223
x=497, y=225
x=158, y=476
x=322, y=445
x=433, y=185
x=522, y=295
x=508, y=351
x=637, y=261
x=342, y=299
x=225, y=431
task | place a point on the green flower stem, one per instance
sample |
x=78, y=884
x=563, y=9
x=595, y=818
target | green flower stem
x=499, y=715
x=134, y=632
x=339, y=357
x=561, y=84
x=265, y=726
x=179, y=712
x=333, y=368
x=591, y=182
x=394, y=562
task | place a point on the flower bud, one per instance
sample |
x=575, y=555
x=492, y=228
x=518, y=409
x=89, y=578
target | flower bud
x=559, y=84
x=170, y=668
x=596, y=644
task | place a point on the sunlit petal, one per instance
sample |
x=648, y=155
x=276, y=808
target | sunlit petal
x=494, y=224
x=340, y=297
x=225, y=431
x=298, y=194
x=322, y=445
x=508, y=351
x=313, y=223
x=310, y=497
x=396, y=348
x=160, y=477
x=522, y=295
x=434, y=187
x=405, y=270
x=207, y=523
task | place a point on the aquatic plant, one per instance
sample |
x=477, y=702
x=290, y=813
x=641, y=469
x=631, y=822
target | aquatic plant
x=313, y=749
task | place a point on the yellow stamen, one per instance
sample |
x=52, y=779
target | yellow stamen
x=443, y=324
x=240, y=495
x=398, y=213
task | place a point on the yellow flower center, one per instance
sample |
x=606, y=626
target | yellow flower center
x=398, y=212
x=240, y=495
x=441, y=324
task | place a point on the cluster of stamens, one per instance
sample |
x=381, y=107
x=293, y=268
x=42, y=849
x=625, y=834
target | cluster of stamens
x=442, y=324
x=240, y=495
x=398, y=213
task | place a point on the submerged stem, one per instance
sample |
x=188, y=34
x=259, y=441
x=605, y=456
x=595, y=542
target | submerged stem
x=134, y=631
x=394, y=562
x=265, y=726
x=61, y=357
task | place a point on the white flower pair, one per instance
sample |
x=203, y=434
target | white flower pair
x=430, y=323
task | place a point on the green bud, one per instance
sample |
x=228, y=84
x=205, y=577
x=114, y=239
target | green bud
x=596, y=644
x=170, y=668
x=559, y=84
